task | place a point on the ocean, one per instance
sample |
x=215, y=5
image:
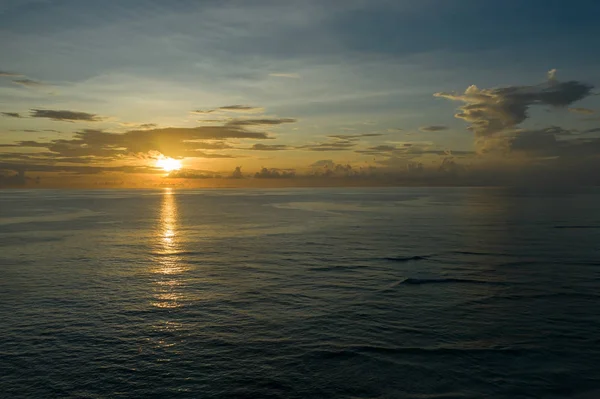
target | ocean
x=300, y=293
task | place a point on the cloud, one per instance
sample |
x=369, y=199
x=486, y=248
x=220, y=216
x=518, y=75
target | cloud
x=285, y=75
x=241, y=108
x=495, y=113
x=210, y=145
x=76, y=169
x=329, y=146
x=329, y=168
x=139, y=125
x=270, y=147
x=380, y=149
x=433, y=128
x=222, y=120
x=64, y=115
x=173, y=142
x=237, y=173
x=16, y=180
x=192, y=174
x=11, y=114
x=237, y=108
x=34, y=130
x=203, y=154
x=28, y=82
x=546, y=143
x=409, y=150
x=259, y=122
x=354, y=137
x=9, y=74
x=582, y=111
x=274, y=173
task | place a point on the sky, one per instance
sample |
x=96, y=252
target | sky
x=299, y=93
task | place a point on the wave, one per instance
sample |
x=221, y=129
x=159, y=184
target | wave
x=368, y=350
x=477, y=253
x=428, y=257
x=577, y=227
x=408, y=258
x=420, y=281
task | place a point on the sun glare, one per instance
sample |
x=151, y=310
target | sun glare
x=168, y=164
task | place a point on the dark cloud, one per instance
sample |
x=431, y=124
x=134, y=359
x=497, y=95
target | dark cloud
x=408, y=151
x=34, y=130
x=64, y=115
x=540, y=141
x=17, y=179
x=9, y=74
x=433, y=128
x=237, y=173
x=354, y=137
x=139, y=125
x=230, y=108
x=582, y=111
x=11, y=114
x=28, y=82
x=241, y=108
x=547, y=143
x=495, y=113
x=272, y=147
x=222, y=120
x=328, y=168
x=323, y=163
x=330, y=146
x=274, y=173
x=260, y=122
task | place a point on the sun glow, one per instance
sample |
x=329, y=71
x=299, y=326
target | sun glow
x=168, y=164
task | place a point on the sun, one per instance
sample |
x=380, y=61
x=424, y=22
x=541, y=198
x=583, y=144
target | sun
x=168, y=164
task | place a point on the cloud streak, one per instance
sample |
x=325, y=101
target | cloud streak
x=285, y=75
x=260, y=122
x=65, y=115
x=433, y=128
x=28, y=82
x=582, y=111
x=270, y=147
x=354, y=137
x=11, y=114
x=237, y=108
x=9, y=74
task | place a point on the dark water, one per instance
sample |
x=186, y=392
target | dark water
x=345, y=293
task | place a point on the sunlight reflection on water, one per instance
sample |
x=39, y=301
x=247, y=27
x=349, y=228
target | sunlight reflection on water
x=168, y=293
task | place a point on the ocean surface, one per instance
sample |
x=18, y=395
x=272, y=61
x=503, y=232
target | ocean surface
x=300, y=293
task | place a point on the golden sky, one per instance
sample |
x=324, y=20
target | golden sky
x=141, y=94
